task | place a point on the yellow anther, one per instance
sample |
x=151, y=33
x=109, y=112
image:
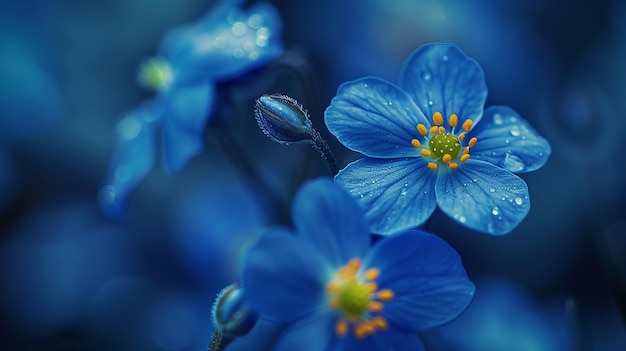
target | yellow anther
x=467, y=125
x=379, y=322
x=385, y=295
x=367, y=327
x=442, y=130
x=359, y=333
x=375, y=306
x=425, y=152
x=437, y=118
x=416, y=143
x=454, y=120
x=461, y=136
x=372, y=273
x=354, y=264
x=465, y=157
x=341, y=327
x=434, y=130
x=453, y=166
x=332, y=287
x=372, y=287
x=466, y=150
x=446, y=158
x=422, y=129
x=433, y=166
x=472, y=142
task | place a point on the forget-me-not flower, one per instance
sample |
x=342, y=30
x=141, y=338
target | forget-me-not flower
x=337, y=293
x=226, y=43
x=424, y=146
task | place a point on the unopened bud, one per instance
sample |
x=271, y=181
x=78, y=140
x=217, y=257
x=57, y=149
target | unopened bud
x=283, y=119
x=231, y=314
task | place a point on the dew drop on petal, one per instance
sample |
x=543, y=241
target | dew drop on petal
x=518, y=200
x=515, y=131
x=426, y=75
x=445, y=57
x=492, y=190
x=513, y=163
x=497, y=118
x=462, y=219
x=495, y=211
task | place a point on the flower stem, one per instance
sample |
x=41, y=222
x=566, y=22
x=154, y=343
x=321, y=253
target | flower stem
x=321, y=146
x=216, y=341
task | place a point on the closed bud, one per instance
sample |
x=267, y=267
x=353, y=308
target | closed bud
x=282, y=119
x=231, y=314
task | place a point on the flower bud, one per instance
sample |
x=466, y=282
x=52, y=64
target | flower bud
x=231, y=314
x=283, y=119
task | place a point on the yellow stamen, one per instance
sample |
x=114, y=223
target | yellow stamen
x=341, y=327
x=454, y=120
x=446, y=158
x=472, y=142
x=461, y=136
x=465, y=157
x=467, y=125
x=416, y=143
x=375, y=306
x=422, y=129
x=434, y=130
x=354, y=264
x=372, y=273
x=425, y=152
x=385, y=294
x=367, y=327
x=442, y=130
x=372, y=287
x=433, y=166
x=332, y=287
x=453, y=166
x=466, y=150
x=379, y=322
x=437, y=118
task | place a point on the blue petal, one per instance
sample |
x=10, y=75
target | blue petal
x=427, y=277
x=397, y=194
x=507, y=140
x=316, y=332
x=133, y=158
x=439, y=77
x=389, y=339
x=374, y=117
x=282, y=278
x=186, y=115
x=325, y=214
x=227, y=42
x=261, y=337
x=483, y=197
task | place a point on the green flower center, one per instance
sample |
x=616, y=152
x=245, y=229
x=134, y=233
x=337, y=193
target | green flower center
x=441, y=144
x=155, y=74
x=353, y=298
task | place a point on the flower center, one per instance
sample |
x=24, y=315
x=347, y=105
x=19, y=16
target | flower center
x=155, y=74
x=357, y=299
x=444, y=146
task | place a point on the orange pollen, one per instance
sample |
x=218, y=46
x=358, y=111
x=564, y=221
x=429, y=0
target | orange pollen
x=437, y=118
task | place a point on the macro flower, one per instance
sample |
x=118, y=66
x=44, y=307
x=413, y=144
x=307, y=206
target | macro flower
x=428, y=142
x=226, y=43
x=336, y=293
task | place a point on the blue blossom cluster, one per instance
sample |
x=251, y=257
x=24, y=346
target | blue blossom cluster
x=413, y=231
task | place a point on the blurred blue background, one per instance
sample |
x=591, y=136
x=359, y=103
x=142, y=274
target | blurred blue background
x=73, y=279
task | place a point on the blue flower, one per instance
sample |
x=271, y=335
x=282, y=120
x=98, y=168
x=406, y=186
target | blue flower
x=425, y=146
x=336, y=293
x=226, y=43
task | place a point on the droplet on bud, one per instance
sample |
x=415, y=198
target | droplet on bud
x=155, y=74
x=231, y=314
x=283, y=119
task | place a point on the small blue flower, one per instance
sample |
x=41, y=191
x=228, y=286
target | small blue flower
x=226, y=43
x=425, y=146
x=338, y=294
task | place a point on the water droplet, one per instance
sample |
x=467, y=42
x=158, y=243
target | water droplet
x=445, y=57
x=492, y=190
x=430, y=102
x=239, y=29
x=518, y=200
x=497, y=118
x=255, y=21
x=515, y=131
x=513, y=163
x=426, y=75
x=462, y=219
x=495, y=211
x=238, y=53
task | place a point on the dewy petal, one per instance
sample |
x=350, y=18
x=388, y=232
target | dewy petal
x=315, y=332
x=331, y=219
x=483, y=197
x=375, y=118
x=439, y=77
x=184, y=120
x=133, y=157
x=508, y=141
x=282, y=278
x=427, y=277
x=397, y=194
x=227, y=42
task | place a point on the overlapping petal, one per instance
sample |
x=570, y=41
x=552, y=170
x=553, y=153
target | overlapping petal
x=508, y=141
x=427, y=277
x=331, y=220
x=483, y=197
x=397, y=194
x=133, y=157
x=185, y=117
x=314, y=332
x=439, y=77
x=282, y=278
x=375, y=118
